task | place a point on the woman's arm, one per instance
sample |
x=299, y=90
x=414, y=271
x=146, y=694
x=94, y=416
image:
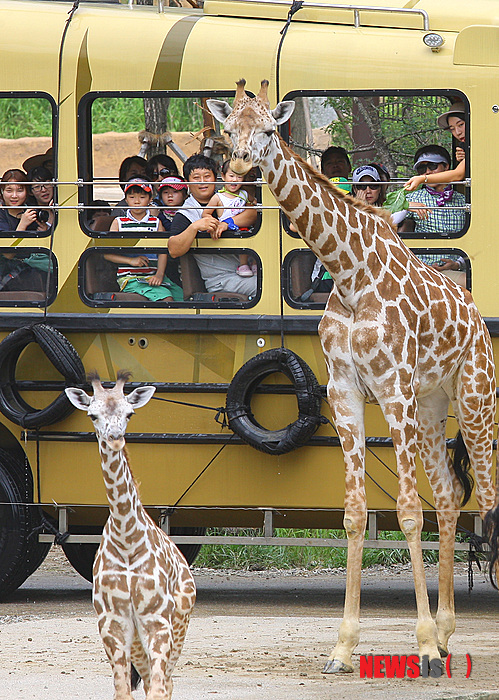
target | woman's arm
x=437, y=178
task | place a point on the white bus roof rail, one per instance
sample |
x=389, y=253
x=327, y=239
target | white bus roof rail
x=356, y=9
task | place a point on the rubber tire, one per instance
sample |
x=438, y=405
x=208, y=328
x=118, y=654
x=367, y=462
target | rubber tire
x=81, y=556
x=20, y=552
x=61, y=354
x=308, y=394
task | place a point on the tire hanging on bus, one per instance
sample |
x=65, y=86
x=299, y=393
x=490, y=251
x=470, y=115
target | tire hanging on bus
x=308, y=395
x=61, y=354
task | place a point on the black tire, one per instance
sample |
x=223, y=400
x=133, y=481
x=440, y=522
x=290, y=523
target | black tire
x=61, y=354
x=190, y=551
x=20, y=552
x=81, y=556
x=308, y=394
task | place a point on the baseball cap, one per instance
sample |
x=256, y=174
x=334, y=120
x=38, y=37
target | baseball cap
x=139, y=182
x=365, y=170
x=173, y=181
x=430, y=157
x=456, y=108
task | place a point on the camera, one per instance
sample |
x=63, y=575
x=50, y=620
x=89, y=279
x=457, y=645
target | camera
x=42, y=216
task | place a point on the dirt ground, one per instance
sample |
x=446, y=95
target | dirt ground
x=262, y=635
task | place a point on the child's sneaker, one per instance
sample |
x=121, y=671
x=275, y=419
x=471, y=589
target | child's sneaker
x=244, y=271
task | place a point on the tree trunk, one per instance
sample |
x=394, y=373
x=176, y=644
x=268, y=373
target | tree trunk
x=156, y=122
x=301, y=130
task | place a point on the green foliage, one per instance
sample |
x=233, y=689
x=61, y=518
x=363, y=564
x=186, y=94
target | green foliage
x=20, y=117
x=261, y=557
x=394, y=126
x=126, y=114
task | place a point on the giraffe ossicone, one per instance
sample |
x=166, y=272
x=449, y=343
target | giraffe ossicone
x=143, y=589
x=396, y=332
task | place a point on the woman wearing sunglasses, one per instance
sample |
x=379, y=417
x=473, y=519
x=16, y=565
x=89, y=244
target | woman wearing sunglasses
x=369, y=185
x=432, y=207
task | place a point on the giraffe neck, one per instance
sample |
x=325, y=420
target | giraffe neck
x=342, y=235
x=125, y=508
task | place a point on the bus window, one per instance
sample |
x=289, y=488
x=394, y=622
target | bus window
x=27, y=275
x=147, y=136
x=307, y=284
x=203, y=278
x=399, y=134
x=27, y=191
x=452, y=262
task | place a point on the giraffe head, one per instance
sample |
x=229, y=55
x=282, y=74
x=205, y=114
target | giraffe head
x=250, y=123
x=110, y=409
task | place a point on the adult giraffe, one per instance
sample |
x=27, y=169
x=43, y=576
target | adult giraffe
x=143, y=590
x=396, y=332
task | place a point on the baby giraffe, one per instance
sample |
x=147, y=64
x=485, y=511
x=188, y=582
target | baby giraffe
x=143, y=590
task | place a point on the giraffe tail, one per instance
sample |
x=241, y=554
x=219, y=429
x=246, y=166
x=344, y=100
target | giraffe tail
x=461, y=463
x=135, y=680
x=491, y=522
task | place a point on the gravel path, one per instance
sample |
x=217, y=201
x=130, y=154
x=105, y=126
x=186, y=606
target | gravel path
x=262, y=635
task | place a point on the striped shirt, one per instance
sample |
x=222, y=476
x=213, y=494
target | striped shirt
x=129, y=224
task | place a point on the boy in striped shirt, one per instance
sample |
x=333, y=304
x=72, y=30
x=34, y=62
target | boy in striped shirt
x=142, y=274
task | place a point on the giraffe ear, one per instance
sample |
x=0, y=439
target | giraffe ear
x=220, y=109
x=78, y=398
x=140, y=396
x=283, y=111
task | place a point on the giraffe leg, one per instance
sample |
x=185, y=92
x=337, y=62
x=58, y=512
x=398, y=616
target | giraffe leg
x=475, y=407
x=185, y=598
x=432, y=419
x=116, y=635
x=351, y=433
x=400, y=414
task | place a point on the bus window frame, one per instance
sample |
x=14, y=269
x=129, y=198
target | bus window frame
x=313, y=305
x=54, y=276
x=85, y=150
x=37, y=94
x=162, y=305
x=285, y=133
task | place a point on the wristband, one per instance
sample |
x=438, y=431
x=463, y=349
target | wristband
x=230, y=224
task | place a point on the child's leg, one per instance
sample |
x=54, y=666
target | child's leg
x=244, y=269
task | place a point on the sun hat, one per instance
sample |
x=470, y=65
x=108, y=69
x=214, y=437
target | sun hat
x=365, y=170
x=39, y=159
x=173, y=181
x=456, y=108
x=139, y=182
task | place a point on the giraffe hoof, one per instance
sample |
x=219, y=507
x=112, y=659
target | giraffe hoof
x=336, y=666
x=442, y=651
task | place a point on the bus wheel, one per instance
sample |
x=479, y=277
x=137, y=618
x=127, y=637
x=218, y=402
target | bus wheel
x=308, y=395
x=20, y=552
x=81, y=556
x=61, y=354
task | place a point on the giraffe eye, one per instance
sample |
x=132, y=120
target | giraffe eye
x=228, y=133
x=92, y=417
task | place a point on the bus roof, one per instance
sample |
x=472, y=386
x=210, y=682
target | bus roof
x=443, y=15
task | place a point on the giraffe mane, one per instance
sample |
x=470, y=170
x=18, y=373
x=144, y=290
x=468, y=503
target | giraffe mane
x=322, y=180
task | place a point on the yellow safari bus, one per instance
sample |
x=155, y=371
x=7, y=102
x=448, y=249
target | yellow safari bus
x=238, y=434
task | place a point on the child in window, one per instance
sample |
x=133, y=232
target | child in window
x=172, y=192
x=229, y=202
x=142, y=274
